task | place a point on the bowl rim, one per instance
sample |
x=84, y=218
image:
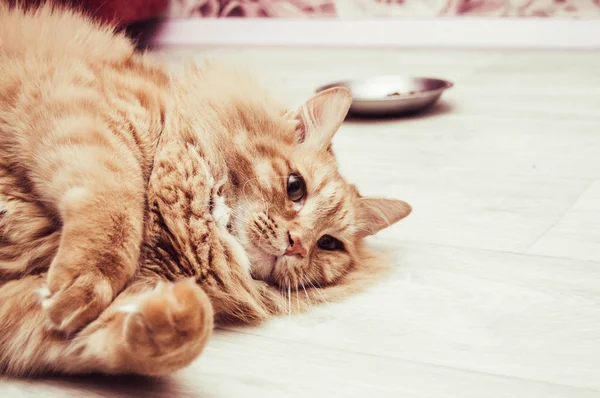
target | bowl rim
x=419, y=94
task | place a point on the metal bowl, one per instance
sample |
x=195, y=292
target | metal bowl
x=391, y=94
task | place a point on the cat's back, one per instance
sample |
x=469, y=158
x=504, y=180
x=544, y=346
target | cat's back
x=49, y=51
x=53, y=34
x=55, y=61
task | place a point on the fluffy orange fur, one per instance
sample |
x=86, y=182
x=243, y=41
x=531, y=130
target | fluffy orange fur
x=138, y=207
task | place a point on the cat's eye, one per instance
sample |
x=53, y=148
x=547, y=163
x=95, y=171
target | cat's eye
x=328, y=242
x=296, y=188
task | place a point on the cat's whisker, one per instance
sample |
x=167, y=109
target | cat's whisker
x=284, y=302
x=297, y=300
x=244, y=189
x=265, y=205
x=303, y=281
x=317, y=289
x=241, y=218
x=289, y=299
x=308, y=300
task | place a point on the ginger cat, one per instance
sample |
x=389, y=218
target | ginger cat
x=138, y=207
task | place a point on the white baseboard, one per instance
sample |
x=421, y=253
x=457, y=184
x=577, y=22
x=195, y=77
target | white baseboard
x=492, y=33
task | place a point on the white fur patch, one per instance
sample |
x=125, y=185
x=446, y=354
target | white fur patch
x=309, y=207
x=72, y=198
x=134, y=303
x=69, y=319
x=239, y=253
x=130, y=308
x=221, y=212
x=43, y=292
x=75, y=194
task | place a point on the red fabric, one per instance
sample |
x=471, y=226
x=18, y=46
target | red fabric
x=124, y=11
x=117, y=12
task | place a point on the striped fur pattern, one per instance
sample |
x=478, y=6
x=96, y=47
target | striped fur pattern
x=139, y=207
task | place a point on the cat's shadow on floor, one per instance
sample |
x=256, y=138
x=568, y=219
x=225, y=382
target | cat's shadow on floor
x=122, y=386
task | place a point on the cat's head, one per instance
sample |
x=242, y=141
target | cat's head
x=299, y=220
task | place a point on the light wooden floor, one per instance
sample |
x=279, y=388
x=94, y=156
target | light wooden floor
x=496, y=290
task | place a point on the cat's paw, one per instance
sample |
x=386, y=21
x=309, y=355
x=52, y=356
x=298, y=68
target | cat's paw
x=166, y=328
x=71, y=300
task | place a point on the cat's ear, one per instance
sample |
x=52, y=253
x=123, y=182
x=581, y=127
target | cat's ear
x=321, y=116
x=375, y=214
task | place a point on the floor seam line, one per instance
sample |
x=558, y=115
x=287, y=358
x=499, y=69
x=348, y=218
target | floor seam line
x=411, y=361
x=554, y=224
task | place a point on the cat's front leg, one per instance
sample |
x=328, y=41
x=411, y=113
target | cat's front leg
x=98, y=253
x=95, y=185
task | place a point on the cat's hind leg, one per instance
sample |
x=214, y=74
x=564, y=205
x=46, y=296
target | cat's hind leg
x=151, y=332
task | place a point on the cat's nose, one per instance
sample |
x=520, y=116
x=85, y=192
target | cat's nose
x=295, y=247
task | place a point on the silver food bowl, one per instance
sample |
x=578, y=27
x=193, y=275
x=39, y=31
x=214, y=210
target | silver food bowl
x=391, y=94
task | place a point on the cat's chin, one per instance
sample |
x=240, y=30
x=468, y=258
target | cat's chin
x=262, y=264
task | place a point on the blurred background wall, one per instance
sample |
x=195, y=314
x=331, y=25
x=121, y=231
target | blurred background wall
x=531, y=24
x=383, y=8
